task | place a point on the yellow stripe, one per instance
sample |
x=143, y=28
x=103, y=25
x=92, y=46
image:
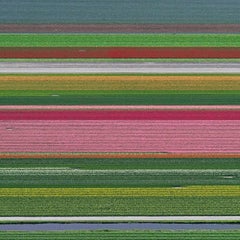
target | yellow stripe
x=119, y=82
x=191, y=191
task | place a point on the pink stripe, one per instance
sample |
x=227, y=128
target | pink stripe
x=120, y=115
x=117, y=107
x=120, y=136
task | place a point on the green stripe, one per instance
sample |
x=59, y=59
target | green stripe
x=117, y=206
x=121, y=40
x=122, y=163
x=122, y=235
x=134, y=178
x=127, y=172
x=126, y=99
x=118, y=235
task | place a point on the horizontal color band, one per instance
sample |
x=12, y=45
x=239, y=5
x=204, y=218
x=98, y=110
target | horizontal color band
x=184, y=191
x=139, y=155
x=127, y=83
x=119, y=40
x=120, y=115
x=125, y=99
x=124, y=69
x=169, y=136
x=120, y=11
x=123, y=219
x=121, y=52
x=116, y=107
x=120, y=28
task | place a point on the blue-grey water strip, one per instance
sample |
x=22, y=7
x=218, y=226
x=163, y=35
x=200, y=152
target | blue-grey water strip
x=116, y=226
x=120, y=11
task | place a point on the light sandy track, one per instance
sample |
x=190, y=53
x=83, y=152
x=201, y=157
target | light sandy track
x=121, y=219
x=147, y=67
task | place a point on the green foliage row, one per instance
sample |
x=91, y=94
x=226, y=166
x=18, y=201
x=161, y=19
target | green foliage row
x=119, y=206
x=126, y=99
x=122, y=235
x=119, y=40
x=115, y=178
x=122, y=163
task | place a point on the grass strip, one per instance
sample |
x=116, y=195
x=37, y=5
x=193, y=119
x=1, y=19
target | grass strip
x=124, y=99
x=119, y=40
x=121, y=163
x=122, y=235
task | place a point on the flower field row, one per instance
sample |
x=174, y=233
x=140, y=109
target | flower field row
x=118, y=206
x=191, y=191
x=132, y=83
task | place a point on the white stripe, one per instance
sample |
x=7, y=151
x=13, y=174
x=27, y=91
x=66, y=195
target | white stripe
x=23, y=171
x=146, y=67
x=120, y=218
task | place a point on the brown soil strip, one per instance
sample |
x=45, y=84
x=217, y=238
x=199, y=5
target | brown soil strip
x=120, y=28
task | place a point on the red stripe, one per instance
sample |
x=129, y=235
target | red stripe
x=121, y=52
x=120, y=115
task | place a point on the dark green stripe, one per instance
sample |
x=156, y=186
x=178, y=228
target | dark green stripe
x=127, y=99
x=116, y=179
x=120, y=179
x=122, y=163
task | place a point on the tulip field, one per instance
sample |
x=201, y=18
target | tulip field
x=119, y=120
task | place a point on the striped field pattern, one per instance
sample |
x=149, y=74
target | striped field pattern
x=120, y=108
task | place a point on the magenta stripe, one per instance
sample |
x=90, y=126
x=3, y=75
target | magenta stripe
x=118, y=107
x=120, y=115
x=120, y=136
